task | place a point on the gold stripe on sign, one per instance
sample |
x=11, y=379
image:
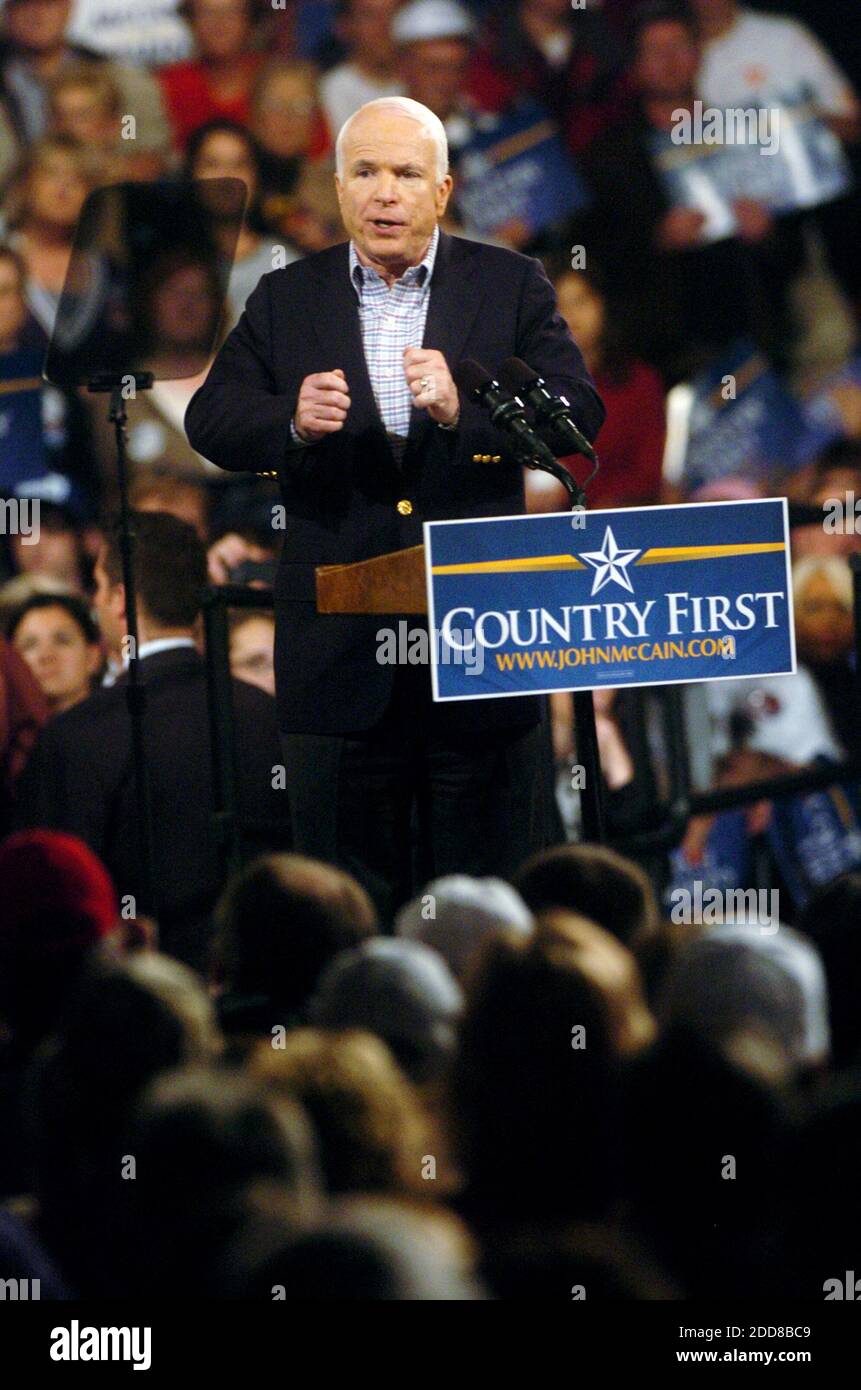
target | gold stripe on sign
x=669, y=556
x=539, y=562
x=675, y=553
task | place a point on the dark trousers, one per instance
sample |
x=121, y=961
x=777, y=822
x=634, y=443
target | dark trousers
x=408, y=802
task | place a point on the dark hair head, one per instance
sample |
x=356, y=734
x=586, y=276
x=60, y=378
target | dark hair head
x=688, y=1110
x=125, y=1023
x=76, y=608
x=170, y=566
x=222, y=126
x=559, y=268
x=369, y=1248
x=843, y=453
x=534, y=1109
x=594, y=881
x=58, y=520
x=238, y=617
x=659, y=12
x=219, y=125
x=281, y=921
x=186, y=9
x=203, y=1139
x=615, y=355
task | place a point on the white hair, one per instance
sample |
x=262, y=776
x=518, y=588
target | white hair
x=430, y=124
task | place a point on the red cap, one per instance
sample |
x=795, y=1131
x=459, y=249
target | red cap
x=55, y=894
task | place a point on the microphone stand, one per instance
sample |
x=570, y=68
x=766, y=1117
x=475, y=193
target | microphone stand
x=113, y=383
x=591, y=798
x=575, y=492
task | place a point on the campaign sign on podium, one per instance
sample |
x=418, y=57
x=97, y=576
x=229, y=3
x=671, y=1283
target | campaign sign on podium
x=640, y=596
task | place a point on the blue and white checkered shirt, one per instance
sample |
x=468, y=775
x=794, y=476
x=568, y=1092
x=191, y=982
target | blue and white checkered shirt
x=391, y=321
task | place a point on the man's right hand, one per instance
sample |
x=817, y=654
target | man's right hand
x=324, y=399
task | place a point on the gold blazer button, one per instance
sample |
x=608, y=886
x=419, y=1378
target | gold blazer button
x=405, y=507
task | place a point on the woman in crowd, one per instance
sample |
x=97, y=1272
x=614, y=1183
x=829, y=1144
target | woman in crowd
x=62, y=555
x=42, y=208
x=631, y=444
x=562, y=55
x=216, y=83
x=59, y=640
x=220, y=150
x=43, y=429
x=297, y=196
x=88, y=105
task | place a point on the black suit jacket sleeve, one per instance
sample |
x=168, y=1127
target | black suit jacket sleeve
x=59, y=792
x=543, y=340
x=239, y=419
x=547, y=346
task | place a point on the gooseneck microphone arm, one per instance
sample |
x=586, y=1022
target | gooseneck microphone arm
x=552, y=412
x=507, y=412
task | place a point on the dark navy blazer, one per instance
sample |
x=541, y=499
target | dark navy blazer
x=341, y=495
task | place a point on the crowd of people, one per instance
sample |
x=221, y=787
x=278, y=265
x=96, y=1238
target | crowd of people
x=528, y=1090
x=508, y=1090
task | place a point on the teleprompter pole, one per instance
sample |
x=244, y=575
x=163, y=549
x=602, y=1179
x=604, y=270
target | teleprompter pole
x=116, y=385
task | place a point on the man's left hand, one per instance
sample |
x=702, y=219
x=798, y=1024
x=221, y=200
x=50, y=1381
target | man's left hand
x=431, y=384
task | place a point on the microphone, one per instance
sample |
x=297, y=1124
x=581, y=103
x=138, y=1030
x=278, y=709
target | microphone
x=554, y=412
x=506, y=411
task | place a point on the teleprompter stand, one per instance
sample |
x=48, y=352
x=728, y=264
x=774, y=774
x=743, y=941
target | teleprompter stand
x=116, y=386
x=131, y=242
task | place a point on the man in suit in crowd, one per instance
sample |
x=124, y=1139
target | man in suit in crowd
x=338, y=378
x=80, y=776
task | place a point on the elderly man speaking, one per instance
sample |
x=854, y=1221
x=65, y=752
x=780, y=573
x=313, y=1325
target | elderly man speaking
x=338, y=378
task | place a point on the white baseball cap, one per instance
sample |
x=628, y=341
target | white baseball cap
x=432, y=19
x=455, y=915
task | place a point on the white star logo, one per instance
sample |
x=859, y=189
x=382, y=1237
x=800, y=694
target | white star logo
x=610, y=564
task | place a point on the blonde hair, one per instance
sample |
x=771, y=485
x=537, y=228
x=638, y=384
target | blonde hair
x=16, y=191
x=273, y=71
x=836, y=571
x=92, y=77
x=368, y=1116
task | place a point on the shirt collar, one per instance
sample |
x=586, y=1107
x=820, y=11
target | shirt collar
x=163, y=644
x=416, y=274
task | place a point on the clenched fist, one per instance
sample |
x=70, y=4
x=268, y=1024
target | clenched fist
x=431, y=384
x=324, y=399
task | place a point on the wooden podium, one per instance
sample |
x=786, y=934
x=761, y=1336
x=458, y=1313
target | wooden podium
x=393, y=583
